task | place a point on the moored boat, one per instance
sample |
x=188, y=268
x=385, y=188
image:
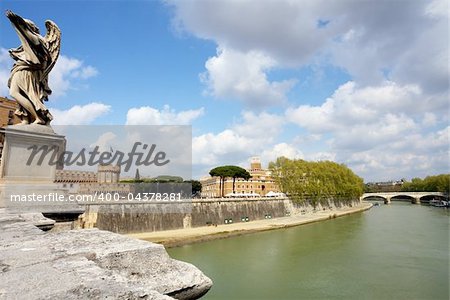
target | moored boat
x=439, y=203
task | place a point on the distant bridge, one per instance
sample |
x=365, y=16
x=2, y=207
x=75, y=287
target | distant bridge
x=416, y=197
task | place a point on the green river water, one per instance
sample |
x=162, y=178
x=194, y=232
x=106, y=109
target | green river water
x=397, y=251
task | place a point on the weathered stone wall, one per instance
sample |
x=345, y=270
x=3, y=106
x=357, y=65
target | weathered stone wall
x=85, y=264
x=215, y=212
x=133, y=218
x=140, y=217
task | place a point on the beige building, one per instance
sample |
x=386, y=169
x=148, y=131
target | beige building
x=105, y=180
x=260, y=183
x=7, y=109
x=108, y=174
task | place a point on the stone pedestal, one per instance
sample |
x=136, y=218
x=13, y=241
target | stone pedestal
x=18, y=164
x=29, y=159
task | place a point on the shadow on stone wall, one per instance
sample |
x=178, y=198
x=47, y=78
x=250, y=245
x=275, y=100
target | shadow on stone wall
x=134, y=218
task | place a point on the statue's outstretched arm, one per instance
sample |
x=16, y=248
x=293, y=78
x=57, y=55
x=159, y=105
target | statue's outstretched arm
x=22, y=28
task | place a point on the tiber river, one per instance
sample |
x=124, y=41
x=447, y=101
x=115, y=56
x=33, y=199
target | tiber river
x=396, y=251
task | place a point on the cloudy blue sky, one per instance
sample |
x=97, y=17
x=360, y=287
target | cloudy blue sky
x=365, y=83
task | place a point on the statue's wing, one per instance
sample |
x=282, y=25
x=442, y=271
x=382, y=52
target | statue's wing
x=53, y=44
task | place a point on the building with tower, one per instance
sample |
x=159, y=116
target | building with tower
x=260, y=184
x=105, y=180
x=108, y=174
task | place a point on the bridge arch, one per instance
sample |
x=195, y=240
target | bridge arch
x=428, y=198
x=385, y=199
x=374, y=198
x=406, y=198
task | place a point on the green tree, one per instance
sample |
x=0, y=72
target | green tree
x=168, y=178
x=238, y=172
x=224, y=172
x=316, y=182
x=436, y=183
x=196, y=186
x=282, y=173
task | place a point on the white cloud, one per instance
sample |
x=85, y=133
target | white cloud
x=375, y=130
x=259, y=125
x=437, y=8
x=64, y=76
x=85, y=72
x=429, y=119
x=416, y=155
x=321, y=156
x=289, y=30
x=379, y=131
x=281, y=149
x=389, y=128
x=5, y=67
x=104, y=141
x=402, y=41
x=212, y=149
x=425, y=62
x=395, y=52
x=79, y=115
x=351, y=106
x=253, y=134
x=286, y=30
x=66, y=73
x=243, y=75
x=147, y=115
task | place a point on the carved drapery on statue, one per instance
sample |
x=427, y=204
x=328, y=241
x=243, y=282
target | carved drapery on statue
x=34, y=59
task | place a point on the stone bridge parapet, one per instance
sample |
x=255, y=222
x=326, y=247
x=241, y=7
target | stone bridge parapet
x=415, y=196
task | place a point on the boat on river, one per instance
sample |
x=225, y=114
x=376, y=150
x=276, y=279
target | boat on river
x=439, y=203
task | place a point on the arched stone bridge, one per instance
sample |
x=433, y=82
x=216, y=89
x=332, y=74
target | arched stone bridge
x=416, y=197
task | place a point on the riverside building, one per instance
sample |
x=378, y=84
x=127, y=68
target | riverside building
x=105, y=180
x=260, y=184
x=7, y=112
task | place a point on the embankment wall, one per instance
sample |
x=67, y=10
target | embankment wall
x=141, y=217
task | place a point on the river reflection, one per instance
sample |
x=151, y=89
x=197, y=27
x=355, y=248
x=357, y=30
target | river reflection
x=397, y=251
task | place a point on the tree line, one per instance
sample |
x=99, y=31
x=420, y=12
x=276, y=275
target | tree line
x=316, y=182
x=437, y=183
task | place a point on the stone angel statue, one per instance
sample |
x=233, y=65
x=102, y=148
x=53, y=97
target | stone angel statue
x=34, y=59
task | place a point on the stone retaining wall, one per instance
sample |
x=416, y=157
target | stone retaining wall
x=140, y=217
